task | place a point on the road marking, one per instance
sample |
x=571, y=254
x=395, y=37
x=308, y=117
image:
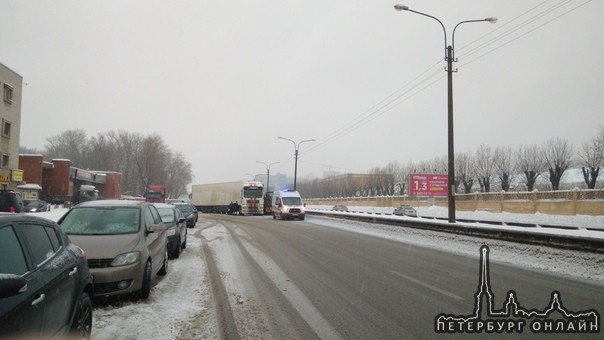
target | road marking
x=427, y=285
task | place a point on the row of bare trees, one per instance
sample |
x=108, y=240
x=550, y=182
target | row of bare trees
x=142, y=160
x=485, y=169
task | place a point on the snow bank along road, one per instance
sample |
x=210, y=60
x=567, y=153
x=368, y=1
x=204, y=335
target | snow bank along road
x=564, y=234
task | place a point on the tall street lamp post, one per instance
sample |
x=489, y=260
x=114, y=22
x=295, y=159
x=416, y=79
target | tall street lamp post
x=268, y=173
x=296, y=148
x=449, y=58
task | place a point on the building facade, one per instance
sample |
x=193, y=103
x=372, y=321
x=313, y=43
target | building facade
x=11, y=85
x=59, y=182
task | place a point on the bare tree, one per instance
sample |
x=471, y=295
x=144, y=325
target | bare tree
x=557, y=156
x=152, y=158
x=484, y=167
x=591, y=158
x=127, y=146
x=179, y=175
x=530, y=163
x=30, y=151
x=102, y=153
x=441, y=165
x=381, y=182
x=70, y=144
x=465, y=170
x=400, y=175
x=504, y=165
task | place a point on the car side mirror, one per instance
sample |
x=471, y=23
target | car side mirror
x=156, y=228
x=182, y=220
x=11, y=284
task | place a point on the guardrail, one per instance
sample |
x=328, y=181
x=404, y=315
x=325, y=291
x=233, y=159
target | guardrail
x=530, y=233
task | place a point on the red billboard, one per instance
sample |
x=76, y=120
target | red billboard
x=428, y=185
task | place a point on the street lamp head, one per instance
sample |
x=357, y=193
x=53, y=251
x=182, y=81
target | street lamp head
x=492, y=20
x=400, y=7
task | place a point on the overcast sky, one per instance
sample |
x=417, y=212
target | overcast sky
x=221, y=80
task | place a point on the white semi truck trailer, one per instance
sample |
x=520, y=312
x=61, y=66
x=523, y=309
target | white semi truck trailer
x=219, y=197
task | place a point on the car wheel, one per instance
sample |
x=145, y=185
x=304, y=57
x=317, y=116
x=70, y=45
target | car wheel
x=164, y=268
x=184, y=243
x=146, y=287
x=81, y=328
x=176, y=253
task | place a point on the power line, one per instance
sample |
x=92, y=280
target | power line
x=422, y=81
x=526, y=33
x=393, y=100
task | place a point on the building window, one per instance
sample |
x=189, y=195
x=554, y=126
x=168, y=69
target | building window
x=8, y=93
x=4, y=160
x=6, y=126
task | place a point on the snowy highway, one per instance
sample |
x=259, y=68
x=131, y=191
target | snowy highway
x=315, y=279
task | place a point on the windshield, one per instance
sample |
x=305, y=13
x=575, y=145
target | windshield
x=167, y=214
x=252, y=192
x=185, y=209
x=101, y=221
x=292, y=201
x=154, y=194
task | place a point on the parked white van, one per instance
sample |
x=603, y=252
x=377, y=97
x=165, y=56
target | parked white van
x=288, y=205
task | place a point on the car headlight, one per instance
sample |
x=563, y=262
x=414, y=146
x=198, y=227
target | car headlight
x=171, y=232
x=126, y=259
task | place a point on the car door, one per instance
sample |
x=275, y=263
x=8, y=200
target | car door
x=156, y=241
x=57, y=267
x=23, y=313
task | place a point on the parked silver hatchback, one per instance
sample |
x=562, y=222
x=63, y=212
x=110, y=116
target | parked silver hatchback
x=125, y=241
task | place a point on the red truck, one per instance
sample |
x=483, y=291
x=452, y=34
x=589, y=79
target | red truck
x=155, y=194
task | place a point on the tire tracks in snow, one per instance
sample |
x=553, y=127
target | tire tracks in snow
x=263, y=305
x=224, y=314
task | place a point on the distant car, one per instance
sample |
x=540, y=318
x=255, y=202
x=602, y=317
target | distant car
x=339, y=208
x=11, y=201
x=405, y=210
x=36, y=205
x=176, y=228
x=45, y=285
x=188, y=211
x=125, y=241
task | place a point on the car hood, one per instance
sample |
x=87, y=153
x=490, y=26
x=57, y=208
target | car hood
x=106, y=246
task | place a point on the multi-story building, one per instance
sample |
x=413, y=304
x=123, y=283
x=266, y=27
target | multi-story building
x=11, y=85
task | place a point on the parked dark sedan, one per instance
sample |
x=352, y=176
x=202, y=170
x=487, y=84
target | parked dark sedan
x=36, y=205
x=188, y=211
x=45, y=285
x=176, y=228
x=11, y=201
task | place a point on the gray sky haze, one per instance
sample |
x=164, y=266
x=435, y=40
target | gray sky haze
x=220, y=81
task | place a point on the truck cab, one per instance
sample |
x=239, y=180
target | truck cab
x=155, y=194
